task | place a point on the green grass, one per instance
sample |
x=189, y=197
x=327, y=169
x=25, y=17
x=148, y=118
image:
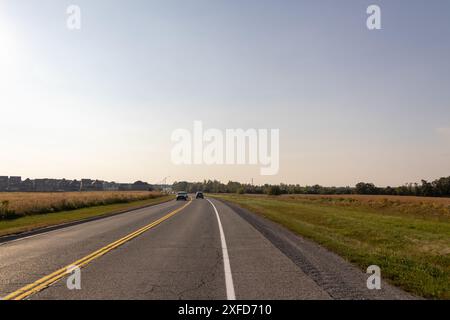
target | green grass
x=28, y=223
x=408, y=240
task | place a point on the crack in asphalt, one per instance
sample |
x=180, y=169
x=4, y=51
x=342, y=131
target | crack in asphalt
x=211, y=276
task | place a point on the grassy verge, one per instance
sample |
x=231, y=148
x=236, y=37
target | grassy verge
x=31, y=222
x=408, y=239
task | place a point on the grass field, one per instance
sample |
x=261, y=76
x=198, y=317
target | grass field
x=28, y=211
x=407, y=237
x=18, y=204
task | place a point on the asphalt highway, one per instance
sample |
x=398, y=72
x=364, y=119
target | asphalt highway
x=201, y=249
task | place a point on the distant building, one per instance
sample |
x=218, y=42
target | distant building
x=39, y=185
x=45, y=185
x=86, y=184
x=110, y=186
x=75, y=185
x=140, y=186
x=52, y=185
x=63, y=185
x=14, y=183
x=4, y=183
x=97, y=185
x=27, y=185
x=125, y=186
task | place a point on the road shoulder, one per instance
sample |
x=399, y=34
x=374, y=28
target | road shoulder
x=339, y=278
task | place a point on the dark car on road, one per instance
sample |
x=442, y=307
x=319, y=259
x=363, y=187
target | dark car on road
x=199, y=195
x=182, y=196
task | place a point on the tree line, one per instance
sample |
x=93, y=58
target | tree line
x=437, y=188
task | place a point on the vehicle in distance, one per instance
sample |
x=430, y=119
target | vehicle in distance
x=182, y=196
x=199, y=195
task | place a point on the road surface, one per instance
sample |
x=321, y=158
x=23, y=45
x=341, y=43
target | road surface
x=203, y=249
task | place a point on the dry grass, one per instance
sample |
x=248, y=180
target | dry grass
x=425, y=207
x=17, y=204
x=31, y=222
x=372, y=198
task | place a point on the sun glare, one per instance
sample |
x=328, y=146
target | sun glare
x=8, y=47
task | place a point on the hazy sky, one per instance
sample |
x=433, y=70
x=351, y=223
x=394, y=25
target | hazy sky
x=351, y=104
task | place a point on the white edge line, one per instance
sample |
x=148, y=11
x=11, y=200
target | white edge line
x=226, y=260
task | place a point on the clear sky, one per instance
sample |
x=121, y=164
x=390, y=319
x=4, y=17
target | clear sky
x=351, y=104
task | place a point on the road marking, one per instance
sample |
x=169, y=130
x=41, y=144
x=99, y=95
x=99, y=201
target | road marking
x=65, y=228
x=226, y=260
x=46, y=281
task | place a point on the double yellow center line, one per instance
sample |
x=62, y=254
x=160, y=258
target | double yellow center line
x=46, y=281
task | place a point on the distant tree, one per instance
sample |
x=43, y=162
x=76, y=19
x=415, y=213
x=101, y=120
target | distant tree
x=180, y=186
x=427, y=189
x=274, y=190
x=442, y=187
x=241, y=190
x=389, y=191
x=439, y=187
x=366, y=188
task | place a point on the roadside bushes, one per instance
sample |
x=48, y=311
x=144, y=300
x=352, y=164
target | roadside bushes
x=5, y=212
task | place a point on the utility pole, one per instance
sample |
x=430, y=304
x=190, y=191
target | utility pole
x=164, y=181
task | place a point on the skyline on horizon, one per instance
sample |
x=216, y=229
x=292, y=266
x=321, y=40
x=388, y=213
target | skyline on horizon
x=206, y=180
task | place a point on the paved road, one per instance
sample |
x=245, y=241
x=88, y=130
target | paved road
x=186, y=256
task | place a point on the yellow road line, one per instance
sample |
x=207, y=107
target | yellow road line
x=44, y=282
